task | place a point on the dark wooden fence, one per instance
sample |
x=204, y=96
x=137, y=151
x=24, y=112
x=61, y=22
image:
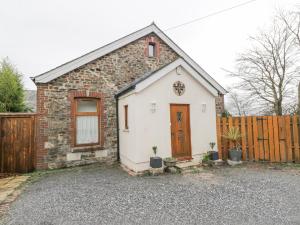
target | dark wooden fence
x=17, y=142
x=264, y=138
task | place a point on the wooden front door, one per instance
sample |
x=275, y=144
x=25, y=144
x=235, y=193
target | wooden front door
x=180, y=131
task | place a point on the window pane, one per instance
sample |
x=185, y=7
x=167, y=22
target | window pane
x=87, y=106
x=87, y=129
x=151, y=50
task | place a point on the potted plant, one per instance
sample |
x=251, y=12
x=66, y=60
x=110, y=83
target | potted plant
x=205, y=159
x=234, y=135
x=170, y=162
x=213, y=155
x=156, y=161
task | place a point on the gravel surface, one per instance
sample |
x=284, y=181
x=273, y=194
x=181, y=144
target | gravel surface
x=107, y=195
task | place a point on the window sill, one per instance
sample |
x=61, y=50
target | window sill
x=87, y=148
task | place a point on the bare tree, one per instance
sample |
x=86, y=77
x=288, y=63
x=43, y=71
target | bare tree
x=237, y=104
x=291, y=19
x=267, y=71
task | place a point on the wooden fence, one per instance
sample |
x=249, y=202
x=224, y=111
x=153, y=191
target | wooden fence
x=264, y=138
x=17, y=142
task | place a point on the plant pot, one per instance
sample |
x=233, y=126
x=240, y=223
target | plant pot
x=156, y=162
x=235, y=155
x=170, y=163
x=213, y=155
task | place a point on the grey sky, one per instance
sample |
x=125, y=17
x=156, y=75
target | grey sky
x=38, y=35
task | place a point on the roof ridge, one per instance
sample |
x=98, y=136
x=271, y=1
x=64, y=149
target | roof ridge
x=92, y=51
x=110, y=47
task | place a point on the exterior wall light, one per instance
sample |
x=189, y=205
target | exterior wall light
x=153, y=107
x=203, y=107
x=179, y=70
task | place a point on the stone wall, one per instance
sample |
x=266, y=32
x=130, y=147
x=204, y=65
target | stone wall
x=220, y=105
x=102, y=77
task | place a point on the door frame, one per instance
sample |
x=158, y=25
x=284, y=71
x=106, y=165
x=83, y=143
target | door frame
x=188, y=157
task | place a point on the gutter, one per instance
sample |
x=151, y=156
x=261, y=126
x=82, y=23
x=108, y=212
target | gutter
x=126, y=90
x=118, y=136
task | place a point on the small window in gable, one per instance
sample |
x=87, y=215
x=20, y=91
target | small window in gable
x=151, y=50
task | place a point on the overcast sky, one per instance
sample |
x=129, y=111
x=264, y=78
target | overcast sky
x=37, y=35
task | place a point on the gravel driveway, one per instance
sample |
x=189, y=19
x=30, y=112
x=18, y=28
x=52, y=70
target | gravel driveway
x=107, y=195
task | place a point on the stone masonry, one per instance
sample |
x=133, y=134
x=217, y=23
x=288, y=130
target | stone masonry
x=104, y=77
x=220, y=105
x=101, y=78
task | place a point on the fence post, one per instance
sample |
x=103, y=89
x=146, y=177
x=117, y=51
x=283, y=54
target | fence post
x=225, y=141
x=271, y=138
x=296, y=138
x=250, y=138
x=244, y=137
x=288, y=138
x=276, y=139
x=219, y=137
x=255, y=139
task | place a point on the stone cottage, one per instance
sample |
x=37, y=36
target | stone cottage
x=86, y=106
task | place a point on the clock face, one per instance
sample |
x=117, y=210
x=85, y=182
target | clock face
x=179, y=88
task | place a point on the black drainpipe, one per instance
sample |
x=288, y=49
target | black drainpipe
x=118, y=138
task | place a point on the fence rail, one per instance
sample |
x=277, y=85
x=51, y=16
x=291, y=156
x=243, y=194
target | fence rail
x=17, y=142
x=264, y=138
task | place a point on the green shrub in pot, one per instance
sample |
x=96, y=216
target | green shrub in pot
x=233, y=134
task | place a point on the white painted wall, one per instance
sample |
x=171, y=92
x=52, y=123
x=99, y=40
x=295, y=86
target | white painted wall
x=127, y=138
x=147, y=129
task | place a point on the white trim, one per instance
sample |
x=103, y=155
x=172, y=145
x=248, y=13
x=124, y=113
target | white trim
x=164, y=71
x=76, y=63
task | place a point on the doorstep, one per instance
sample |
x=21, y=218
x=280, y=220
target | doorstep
x=187, y=164
x=188, y=167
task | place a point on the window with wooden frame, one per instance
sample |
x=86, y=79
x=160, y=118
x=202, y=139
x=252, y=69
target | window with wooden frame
x=151, y=49
x=87, y=121
x=126, y=117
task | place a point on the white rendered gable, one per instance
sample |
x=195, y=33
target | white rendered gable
x=164, y=71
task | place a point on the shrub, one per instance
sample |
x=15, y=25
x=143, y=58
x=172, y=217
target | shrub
x=11, y=89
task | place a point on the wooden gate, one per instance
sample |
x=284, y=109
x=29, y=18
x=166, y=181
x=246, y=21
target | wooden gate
x=17, y=142
x=264, y=138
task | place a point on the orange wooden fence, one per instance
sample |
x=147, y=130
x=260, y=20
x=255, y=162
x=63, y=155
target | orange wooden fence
x=264, y=138
x=17, y=142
